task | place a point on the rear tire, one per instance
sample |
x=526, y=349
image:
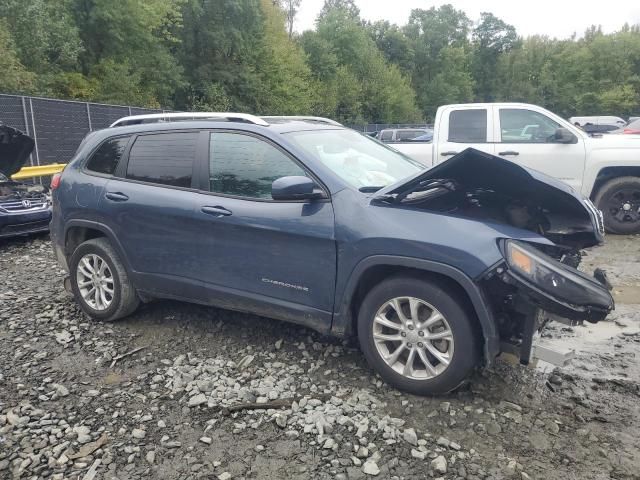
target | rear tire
x=619, y=200
x=450, y=345
x=95, y=266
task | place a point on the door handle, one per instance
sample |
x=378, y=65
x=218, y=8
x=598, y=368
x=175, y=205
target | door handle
x=116, y=196
x=216, y=211
x=509, y=152
x=448, y=154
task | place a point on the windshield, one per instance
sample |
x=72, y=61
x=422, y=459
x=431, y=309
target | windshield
x=359, y=160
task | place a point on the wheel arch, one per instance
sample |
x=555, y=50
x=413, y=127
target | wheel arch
x=372, y=270
x=79, y=231
x=609, y=173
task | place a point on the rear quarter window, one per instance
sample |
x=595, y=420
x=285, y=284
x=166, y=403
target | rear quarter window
x=106, y=158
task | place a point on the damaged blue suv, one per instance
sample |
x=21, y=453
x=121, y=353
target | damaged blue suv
x=298, y=218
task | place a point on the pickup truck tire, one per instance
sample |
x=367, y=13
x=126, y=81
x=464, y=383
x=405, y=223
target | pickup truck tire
x=95, y=265
x=433, y=326
x=619, y=200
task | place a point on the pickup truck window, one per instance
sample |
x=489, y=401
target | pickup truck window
x=245, y=166
x=405, y=135
x=165, y=158
x=526, y=126
x=357, y=159
x=386, y=136
x=468, y=126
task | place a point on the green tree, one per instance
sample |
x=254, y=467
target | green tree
x=430, y=32
x=285, y=78
x=14, y=77
x=492, y=38
x=220, y=45
x=134, y=37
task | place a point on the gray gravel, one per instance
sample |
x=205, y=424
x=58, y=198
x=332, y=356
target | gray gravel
x=170, y=410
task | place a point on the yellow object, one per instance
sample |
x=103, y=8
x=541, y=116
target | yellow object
x=39, y=171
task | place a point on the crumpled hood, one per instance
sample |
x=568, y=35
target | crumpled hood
x=15, y=148
x=572, y=219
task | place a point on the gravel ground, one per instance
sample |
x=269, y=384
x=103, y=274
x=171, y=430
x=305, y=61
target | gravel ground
x=73, y=405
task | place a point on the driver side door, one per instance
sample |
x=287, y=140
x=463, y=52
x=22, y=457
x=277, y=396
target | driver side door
x=526, y=137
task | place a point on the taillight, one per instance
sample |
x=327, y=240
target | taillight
x=631, y=131
x=55, y=181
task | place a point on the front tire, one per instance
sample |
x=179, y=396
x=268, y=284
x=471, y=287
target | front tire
x=619, y=200
x=418, y=336
x=100, y=283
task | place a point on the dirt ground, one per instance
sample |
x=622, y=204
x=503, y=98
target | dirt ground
x=72, y=405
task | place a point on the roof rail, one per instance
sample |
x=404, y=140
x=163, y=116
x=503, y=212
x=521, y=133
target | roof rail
x=304, y=118
x=182, y=116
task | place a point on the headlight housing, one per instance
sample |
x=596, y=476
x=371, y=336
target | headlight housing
x=554, y=279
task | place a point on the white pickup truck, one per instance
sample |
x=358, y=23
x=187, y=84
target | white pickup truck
x=604, y=168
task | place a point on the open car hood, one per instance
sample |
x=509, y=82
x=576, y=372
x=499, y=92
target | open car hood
x=15, y=148
x=482, y=186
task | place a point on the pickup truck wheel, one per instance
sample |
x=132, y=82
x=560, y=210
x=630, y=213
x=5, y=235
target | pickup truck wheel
x=619, y=200
x=417, y=336
x=99, y=281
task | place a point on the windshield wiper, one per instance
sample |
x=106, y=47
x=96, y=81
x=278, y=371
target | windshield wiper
x=370, y=189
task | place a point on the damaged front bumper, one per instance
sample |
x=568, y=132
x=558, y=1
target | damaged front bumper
x=529, y=289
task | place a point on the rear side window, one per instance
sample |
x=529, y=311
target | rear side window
x=165, y=158
x=245, y=166
x=386, y=136
x=468, y=126
x=106, y=158
x=404, y=135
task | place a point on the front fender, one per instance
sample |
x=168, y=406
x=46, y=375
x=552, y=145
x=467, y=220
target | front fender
x=603, y=159
x=342, y=320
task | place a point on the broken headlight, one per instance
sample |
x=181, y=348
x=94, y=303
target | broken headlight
x=552, y=278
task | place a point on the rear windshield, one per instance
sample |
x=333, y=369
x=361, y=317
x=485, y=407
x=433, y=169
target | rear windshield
x=357, y=159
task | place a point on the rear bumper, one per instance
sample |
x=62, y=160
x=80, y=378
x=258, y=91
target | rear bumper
x=15, y=224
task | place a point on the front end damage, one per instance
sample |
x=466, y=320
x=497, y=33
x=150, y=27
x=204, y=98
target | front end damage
x=530, y=288
x=24, y=208
x=537, y=280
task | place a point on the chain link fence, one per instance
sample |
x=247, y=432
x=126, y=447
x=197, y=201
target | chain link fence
x=58, y=126
x=377, y=127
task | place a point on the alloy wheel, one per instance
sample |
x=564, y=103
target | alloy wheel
x=624, y=205
x=95, y=281
x=413, y=338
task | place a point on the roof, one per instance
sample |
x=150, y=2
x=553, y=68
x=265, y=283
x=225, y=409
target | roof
x=169, y=117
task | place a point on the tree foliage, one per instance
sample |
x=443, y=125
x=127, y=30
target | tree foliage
x=244, y=55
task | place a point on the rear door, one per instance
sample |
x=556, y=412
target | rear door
x=463, y=127
x=527, y=137
x=150, y=207
x=279, y=253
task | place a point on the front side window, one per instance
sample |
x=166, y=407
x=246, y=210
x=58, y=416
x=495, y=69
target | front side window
x=105, y=160
x=357, y=159
x=165, y=158
x=245, y=166
x=526, y=126
x=468, y=126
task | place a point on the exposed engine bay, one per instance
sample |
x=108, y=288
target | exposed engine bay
x=451, y=197
x=10, y=190
x=15, y=148
x=477, y=185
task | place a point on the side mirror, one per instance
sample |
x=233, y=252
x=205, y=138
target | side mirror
x=562, y=135
x=294, y=188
